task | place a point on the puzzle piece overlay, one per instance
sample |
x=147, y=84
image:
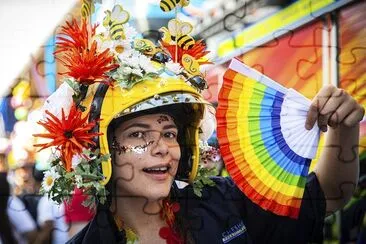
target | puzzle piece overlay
x=295, y=60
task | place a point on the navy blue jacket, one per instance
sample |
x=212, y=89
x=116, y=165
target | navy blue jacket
x=225, y=215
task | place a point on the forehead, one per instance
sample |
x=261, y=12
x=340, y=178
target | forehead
x=151, y=120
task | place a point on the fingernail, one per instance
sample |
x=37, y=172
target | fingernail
x=324, y=128
x=307, y=126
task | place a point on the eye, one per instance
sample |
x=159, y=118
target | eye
x=170, y=135
x=137, y=134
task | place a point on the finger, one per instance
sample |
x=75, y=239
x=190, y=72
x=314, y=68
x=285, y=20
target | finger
x=323, y=121
x=342, y=111
x=324, y=95
x=354, y=117
x=316, y=106
x=312, y=116
x=334, y=101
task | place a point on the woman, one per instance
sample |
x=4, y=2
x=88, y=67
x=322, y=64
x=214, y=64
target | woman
x=147, y=114
x=152, y=147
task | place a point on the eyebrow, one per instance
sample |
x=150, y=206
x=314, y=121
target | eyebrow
x=141, y=125
x=147, y=126
x=171, y=126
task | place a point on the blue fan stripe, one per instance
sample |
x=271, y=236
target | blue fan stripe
x=275, y=143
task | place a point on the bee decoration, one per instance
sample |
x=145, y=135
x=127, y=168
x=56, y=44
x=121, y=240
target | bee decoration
x=178, y=31
x=198, y=82
x=87, y=8
x=190, y=64
x=168, y=5
x=114, y=20
x=148, y=48
x=145, y=46
x=161, y=57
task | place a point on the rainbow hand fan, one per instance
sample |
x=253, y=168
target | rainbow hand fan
x=263, y=140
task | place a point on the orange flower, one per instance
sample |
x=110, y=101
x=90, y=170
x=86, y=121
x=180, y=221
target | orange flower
x=88, y=66
x=70, y=135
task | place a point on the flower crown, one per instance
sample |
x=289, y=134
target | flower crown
x=117, y=57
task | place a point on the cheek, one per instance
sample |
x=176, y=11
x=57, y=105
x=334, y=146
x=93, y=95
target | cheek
x=175, y=154
x=124, y=166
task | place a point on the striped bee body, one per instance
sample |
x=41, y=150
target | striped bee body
x=185, y=41
x=116, y=30
x=168, y=5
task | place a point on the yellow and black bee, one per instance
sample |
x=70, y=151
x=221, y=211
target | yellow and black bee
x=87, y=8
x=178, y=31
x=115, y=20
x=168, y=5
x=185, y=41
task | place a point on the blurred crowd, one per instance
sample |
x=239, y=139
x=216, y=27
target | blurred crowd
x=27, y=216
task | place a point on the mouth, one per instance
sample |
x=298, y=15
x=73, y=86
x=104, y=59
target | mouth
x=157, y=170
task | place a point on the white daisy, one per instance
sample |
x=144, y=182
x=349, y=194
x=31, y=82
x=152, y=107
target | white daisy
x=130, y=32
x=127, y=55
x=137, y=72
x=145, y=64
x=50, y=176
x=134, y=62
x=121, y=46
x=125, y=70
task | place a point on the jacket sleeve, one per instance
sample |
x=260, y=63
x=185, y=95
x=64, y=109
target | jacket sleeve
x=264, y=226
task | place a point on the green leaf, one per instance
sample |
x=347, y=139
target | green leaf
x=197, y=191
x=198, y=184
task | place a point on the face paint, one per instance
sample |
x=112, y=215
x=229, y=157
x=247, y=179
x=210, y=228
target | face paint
x=162, y=118
x=139, y=149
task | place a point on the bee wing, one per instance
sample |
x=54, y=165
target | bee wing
x=120, y=15
x=174, y=26
x=186, y=28
x=190, y=64
x=123, y=17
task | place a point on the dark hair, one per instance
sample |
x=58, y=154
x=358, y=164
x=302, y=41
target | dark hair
x=6, y=233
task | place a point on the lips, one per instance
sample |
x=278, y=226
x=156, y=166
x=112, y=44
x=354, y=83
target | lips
x=159, y=169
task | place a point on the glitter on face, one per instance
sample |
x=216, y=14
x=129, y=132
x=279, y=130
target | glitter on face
x=140, y=149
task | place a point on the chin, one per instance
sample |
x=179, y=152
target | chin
x=158, y=193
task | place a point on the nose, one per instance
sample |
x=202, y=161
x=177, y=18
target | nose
x=159, y=147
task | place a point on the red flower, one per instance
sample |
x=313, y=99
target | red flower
x=168, y=233
x=171, y=236
x=70, y=135
x=197, y=51
x=75, y=36
x=83, y=60
x=88, y=66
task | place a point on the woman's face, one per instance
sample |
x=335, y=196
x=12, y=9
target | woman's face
x=147, y=154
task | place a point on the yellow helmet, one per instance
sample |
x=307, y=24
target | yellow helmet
x=107, y=103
